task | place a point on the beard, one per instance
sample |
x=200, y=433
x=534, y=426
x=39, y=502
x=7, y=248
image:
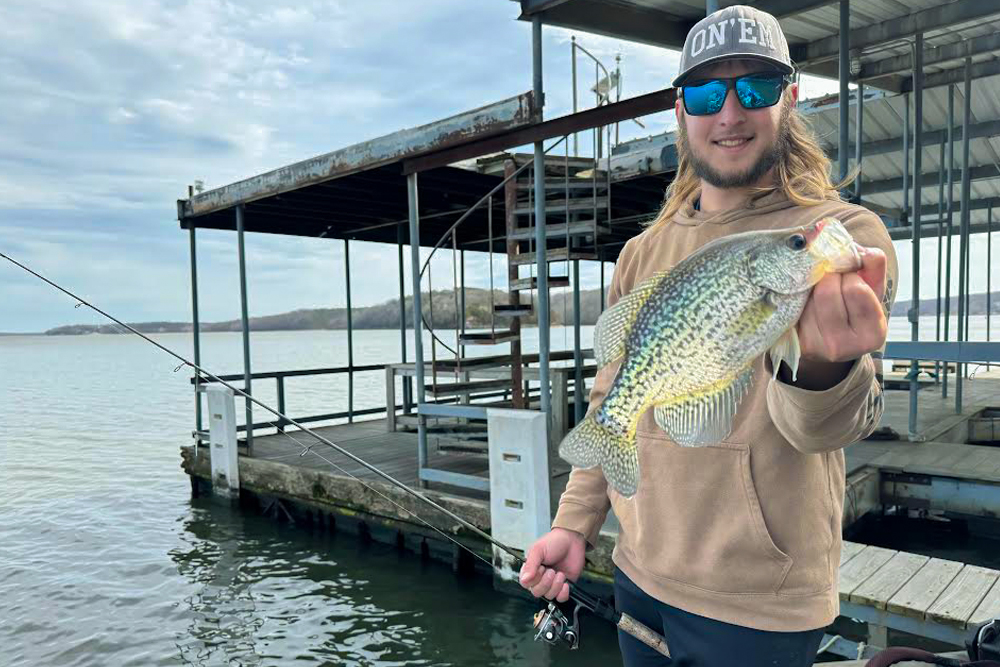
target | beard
x=770, y=157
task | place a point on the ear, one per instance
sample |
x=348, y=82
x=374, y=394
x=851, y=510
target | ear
x=678, y=107
x=793, y=90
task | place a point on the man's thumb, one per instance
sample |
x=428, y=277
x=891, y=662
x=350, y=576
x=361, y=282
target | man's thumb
x=873, y=270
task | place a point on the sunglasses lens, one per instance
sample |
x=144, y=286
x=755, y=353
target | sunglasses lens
x=704, y=99
x=758, y=90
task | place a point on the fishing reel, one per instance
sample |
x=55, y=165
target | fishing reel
x=554, y=628
x=985, y=641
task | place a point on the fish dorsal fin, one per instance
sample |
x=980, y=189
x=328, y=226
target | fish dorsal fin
x=704, y=417
x=615, y=323
x=787, y=349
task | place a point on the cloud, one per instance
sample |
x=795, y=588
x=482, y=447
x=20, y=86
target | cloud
x=112, y=107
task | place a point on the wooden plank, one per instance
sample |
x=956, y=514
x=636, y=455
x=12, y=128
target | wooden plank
x=857, y=570
x=849, y=550
x=880, y=587
x=988, y=609
x=924, y=588
x=963, y=596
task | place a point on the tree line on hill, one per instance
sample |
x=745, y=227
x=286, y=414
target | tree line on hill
x=477, y=310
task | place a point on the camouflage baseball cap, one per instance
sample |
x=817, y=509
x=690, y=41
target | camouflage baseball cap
x=734, y=32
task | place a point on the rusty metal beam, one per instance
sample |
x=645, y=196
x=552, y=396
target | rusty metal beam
x=634, y=107
x=485, y=121
x=941, y=16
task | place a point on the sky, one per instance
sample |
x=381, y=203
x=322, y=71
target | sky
x=112, y=108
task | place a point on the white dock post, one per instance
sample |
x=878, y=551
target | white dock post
x=222, y=441
x=519, y=483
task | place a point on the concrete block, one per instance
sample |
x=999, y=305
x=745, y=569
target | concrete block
x=519, y=482
x=222, y=441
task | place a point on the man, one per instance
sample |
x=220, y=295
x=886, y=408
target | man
x=731, y=551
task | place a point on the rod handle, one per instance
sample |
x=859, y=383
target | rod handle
x=651, y=639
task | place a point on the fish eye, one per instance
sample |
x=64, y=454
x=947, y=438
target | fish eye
x=797, y=242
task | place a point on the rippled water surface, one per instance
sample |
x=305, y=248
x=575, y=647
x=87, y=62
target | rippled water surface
x=106, y=560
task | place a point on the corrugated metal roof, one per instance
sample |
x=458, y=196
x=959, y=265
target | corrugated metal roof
x=883, y=122
x=886, y=26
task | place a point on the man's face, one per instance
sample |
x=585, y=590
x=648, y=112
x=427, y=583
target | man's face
x=735, y=147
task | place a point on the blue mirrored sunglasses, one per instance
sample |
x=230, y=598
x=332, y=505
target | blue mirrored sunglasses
x=754, y=91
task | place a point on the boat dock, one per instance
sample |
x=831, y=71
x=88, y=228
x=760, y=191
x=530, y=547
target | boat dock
x=296, y=478
x=474, y=421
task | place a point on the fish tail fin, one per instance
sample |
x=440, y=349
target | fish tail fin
x=591, y=444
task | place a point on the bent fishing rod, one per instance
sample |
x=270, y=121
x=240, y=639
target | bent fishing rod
x=552, y=624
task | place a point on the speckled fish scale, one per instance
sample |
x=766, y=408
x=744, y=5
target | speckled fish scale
x=689, y=337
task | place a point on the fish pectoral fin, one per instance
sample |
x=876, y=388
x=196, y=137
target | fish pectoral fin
x=705, y=417
x=592, y=444
x=787, y=349
x=615, y=323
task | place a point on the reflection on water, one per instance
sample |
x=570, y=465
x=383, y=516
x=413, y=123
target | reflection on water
x=270, y=593
x=106, y=559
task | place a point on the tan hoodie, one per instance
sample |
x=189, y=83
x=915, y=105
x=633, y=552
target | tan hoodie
x=747, y=531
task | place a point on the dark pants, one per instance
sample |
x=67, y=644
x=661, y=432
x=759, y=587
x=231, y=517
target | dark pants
x=696, y=641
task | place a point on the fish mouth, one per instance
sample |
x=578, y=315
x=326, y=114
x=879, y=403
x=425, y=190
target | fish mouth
x=832, y=249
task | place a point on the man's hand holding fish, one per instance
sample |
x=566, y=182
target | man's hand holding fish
x=842, y=321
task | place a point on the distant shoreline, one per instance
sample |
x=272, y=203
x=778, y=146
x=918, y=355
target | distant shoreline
x=386, y=316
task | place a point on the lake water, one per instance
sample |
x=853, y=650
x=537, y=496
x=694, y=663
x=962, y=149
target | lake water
x=106, y=559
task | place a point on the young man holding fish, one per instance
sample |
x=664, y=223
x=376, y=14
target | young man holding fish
x=738, y=357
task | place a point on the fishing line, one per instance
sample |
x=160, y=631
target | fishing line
x=81, y=301
x=553, y=626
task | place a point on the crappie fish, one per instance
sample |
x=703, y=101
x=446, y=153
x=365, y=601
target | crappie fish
x=690, y=336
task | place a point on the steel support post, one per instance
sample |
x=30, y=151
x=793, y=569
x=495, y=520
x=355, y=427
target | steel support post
x=914, y=314
x=859, y=137
x=951, y=208
x=544, y=388
x=906, y=158
x=989, y=268
x=196, y=332
x=350, y=334
x=576, y=142
x=963, y=247
x=602, y=282
x=418, y=347
x=240, y=214
x=461, y=279
x=844, y=73
x=407, y=385
x=518, y=396
x=578, y=404
x=940, y=250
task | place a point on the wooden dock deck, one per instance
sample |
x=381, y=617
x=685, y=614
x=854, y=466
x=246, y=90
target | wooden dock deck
x=394, y=453
x=929, y=597
x=888, y=589
x=937, y=421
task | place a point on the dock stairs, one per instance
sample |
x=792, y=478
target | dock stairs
x=577, y=216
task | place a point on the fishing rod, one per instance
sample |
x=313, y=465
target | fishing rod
x=552, y=624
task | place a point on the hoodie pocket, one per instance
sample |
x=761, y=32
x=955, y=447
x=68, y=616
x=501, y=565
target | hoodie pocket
x=696, y=519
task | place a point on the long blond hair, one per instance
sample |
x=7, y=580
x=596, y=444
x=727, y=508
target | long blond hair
x=803, y=172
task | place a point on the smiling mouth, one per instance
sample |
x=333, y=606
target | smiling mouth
x=733, y=142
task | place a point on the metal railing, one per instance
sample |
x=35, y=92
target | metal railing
x=279, y=378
